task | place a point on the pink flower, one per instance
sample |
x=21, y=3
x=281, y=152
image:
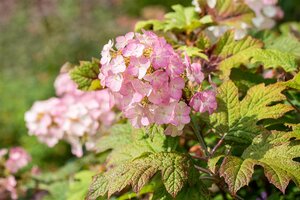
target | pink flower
x=151, y=81
x=160, y=95
x=72, y=117
x=105, y=53
x=194, y=73
x=164, y=114
x=18, y=158
x=78, y=121
x=204, y=101
x=175, y=67
x=174, y=130
x=9, y=185
x=114, y=82
x=138, y=115
x=181, y=114
x=133, y=49
x=147, y=38
x=76, y=146
x=138, y=66
x=176, y=86
x=44, y=120
x=3, y=152
x=65, y=86
x=122, y=41
x=270, y=2
x=117, y=65
x=157, y=79
x=162, y=53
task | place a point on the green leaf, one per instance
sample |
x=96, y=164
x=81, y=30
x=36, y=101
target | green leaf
x=274, y=152
x=174, y=167
x=294, y=83
x=118, y=135
x=57, y=190
x=269, y=58
x=154, y=25
x=141, y=144
x=273, y=58
x=244, y=79
x=228, y=46
x=86, y=75
x=79, y=187
x=236, y=172
x=184, y=18
x=212, y=162
x=203, y=42
x=285, y=44
x=195, y=192
x=238, y=119
x=193, y=51
x=98, y=187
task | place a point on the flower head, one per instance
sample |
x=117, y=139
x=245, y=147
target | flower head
x=204, y=101
x=18, y=158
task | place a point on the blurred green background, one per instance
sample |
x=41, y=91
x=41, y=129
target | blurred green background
x=38, y=36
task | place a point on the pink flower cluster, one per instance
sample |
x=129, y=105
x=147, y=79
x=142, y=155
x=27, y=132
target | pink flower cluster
x=17, y=159
x=74, y=116
x=148, y=77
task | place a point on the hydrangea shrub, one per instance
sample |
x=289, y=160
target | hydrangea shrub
x=188, y=107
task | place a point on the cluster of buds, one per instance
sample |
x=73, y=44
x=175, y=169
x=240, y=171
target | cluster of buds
x=74, y=116
x=148, y=77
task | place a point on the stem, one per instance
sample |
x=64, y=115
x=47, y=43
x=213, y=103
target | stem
x=199, y=158
x=210, y=178
x=199, y=136
x=203, y=170
x=220, y=142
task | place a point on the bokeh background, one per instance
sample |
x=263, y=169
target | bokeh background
x=38, y=36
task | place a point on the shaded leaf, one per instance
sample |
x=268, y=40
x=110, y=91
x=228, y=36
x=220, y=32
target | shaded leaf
x=274, y=152
x=174, y=167
x=86, y=75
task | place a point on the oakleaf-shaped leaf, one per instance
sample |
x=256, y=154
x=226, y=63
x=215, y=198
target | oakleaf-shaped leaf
x=86, y=75
x=269, y=58
x=285, y=44
x=237, y=172
x=183, y=18
x=228, y=46
x=275, y=152
x=238, y=119
x=118, y=135
x=175, y=168
x=142, y=143
x=195, y=192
